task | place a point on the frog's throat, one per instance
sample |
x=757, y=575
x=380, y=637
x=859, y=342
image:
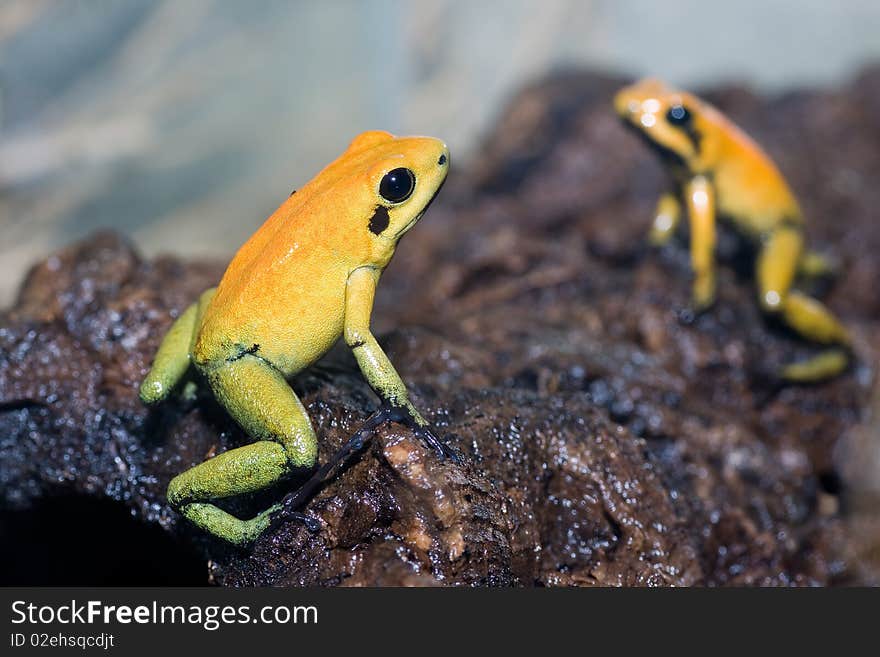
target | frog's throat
x=415, y=220
x=412, y=223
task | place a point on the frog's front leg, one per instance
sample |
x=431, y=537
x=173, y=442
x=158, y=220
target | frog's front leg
x=261, y=401
x=172, y=360
x=700, y=198
x=375, y=365
x=667, y=217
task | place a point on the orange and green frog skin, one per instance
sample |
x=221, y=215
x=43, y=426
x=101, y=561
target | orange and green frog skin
x=719, y=172
x=306, y=278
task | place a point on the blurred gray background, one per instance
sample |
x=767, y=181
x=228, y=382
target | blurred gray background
x=185, y=123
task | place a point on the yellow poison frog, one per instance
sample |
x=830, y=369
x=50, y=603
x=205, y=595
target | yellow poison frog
x=718, y=171
x=305, y=278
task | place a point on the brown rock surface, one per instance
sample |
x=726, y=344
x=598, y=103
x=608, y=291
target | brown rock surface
x=608, y=436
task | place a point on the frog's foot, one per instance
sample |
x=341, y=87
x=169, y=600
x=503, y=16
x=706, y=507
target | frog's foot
x=410, y=418
x=190, y=391
x=821, y=367
x=242, y=533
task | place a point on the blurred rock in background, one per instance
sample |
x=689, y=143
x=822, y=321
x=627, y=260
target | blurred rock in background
x=185, y=124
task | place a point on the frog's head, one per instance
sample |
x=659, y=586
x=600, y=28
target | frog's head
x=673, y=122
x=396, y=178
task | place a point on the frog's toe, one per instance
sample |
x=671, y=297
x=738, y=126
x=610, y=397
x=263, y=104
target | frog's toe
x=286, y=512
x=444, y=451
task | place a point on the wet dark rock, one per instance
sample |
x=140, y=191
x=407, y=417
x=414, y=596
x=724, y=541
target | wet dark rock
x=609, y=437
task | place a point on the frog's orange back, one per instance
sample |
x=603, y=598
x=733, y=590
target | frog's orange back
x=288, y=280
x=312, y=205
x=750, y=187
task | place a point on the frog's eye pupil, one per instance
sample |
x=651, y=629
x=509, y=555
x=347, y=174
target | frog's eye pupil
x=678, y=115
x=397, y=185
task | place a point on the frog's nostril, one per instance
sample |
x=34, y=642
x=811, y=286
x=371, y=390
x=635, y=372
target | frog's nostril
x=442, y=159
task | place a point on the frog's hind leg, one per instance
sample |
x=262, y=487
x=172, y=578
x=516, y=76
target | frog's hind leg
x=261, y=401
x=243, y=470
x=777, y=266
x=173, y=357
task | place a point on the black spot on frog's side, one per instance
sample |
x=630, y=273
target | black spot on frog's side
x=380, y=220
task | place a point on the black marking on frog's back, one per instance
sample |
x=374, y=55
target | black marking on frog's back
x=380, y=220
x=292, y=193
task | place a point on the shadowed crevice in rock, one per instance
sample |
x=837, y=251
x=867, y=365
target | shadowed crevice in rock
x=74, y=540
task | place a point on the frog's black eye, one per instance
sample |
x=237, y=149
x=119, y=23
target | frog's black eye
x=397, y=185
x=678, y=115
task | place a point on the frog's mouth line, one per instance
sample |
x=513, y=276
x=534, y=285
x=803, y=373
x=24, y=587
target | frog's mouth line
x=415, y=219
